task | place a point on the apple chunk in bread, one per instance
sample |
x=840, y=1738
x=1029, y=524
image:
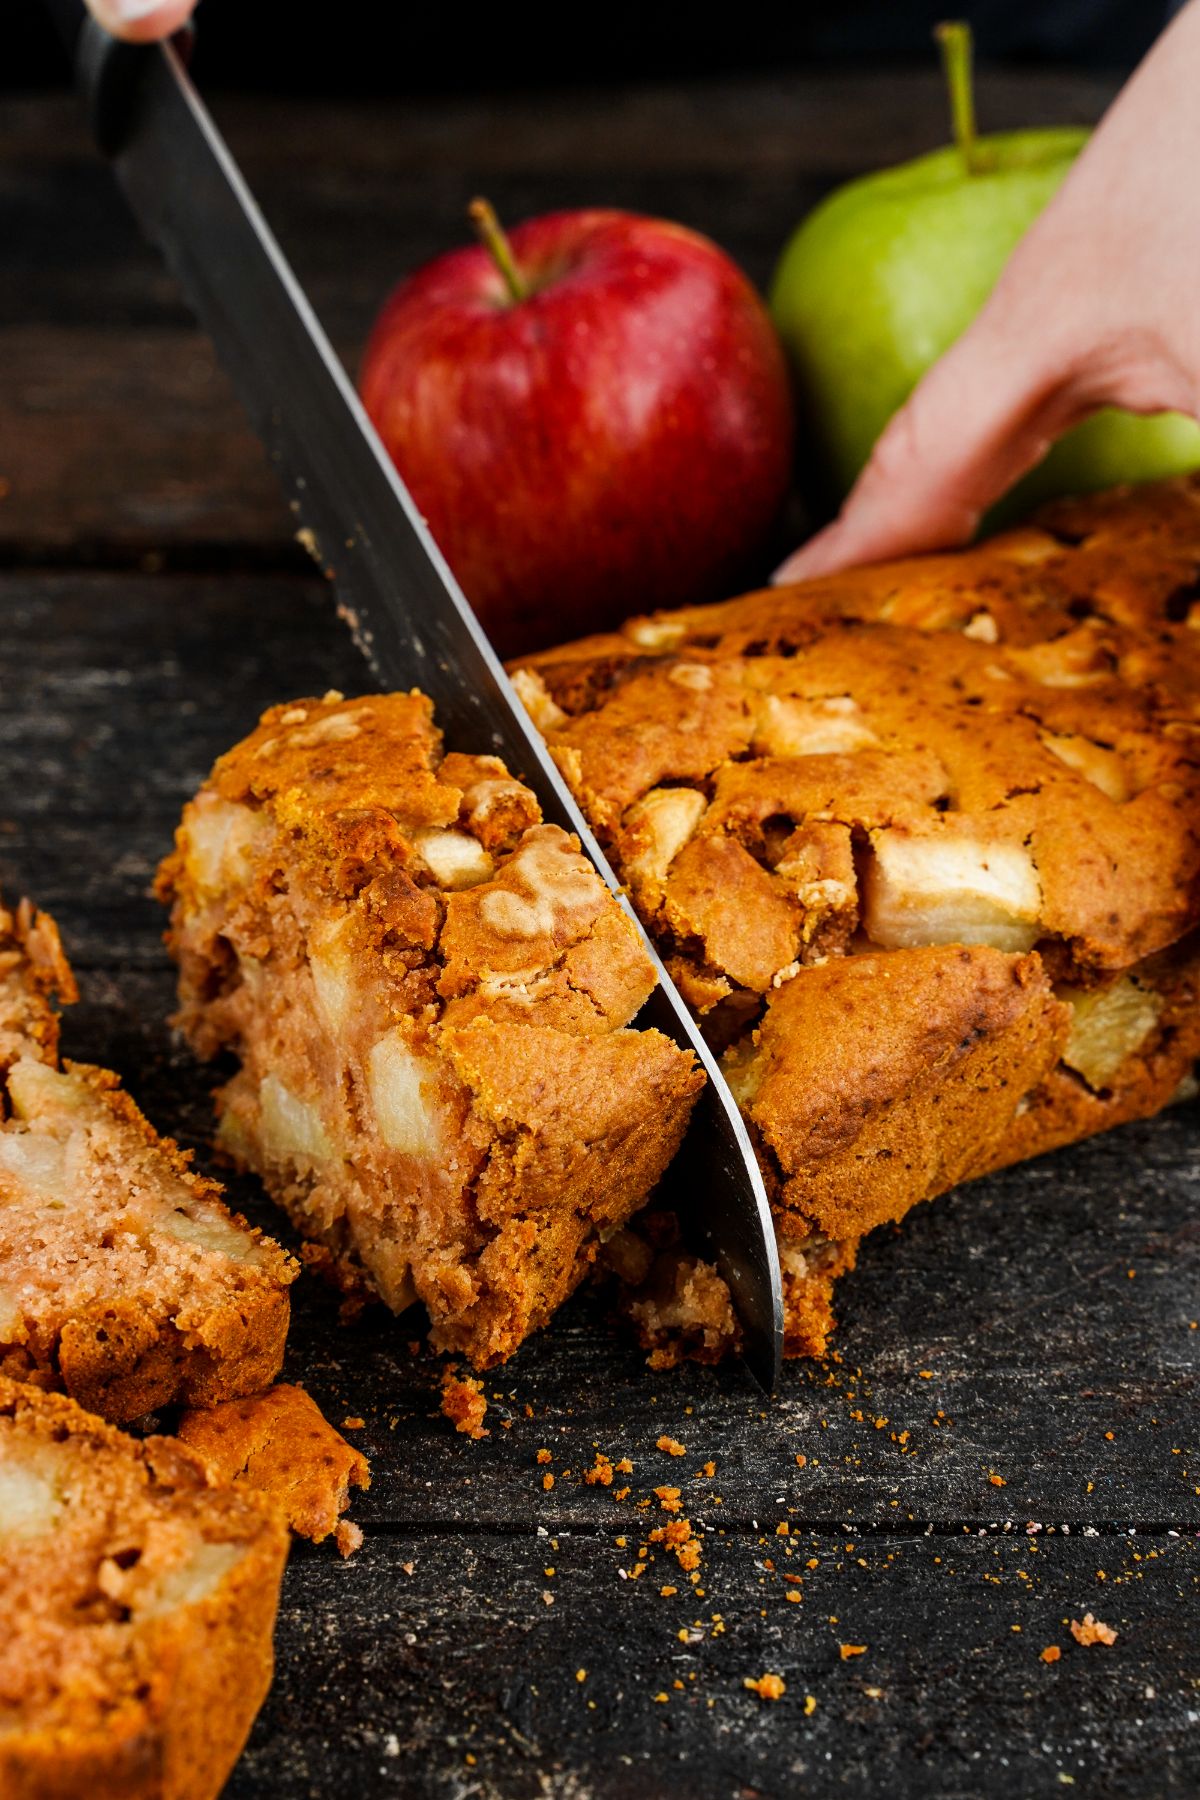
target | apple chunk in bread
x=1108, y=1026
x=951, y=886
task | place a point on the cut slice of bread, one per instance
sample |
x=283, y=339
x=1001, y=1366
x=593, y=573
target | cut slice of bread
x=138, y=1606
x=123, y=1277
x=429, y=993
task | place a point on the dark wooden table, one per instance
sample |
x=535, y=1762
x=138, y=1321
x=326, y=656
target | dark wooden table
x=1005, y=1437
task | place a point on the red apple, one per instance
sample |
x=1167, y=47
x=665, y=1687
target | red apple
x=594, y=417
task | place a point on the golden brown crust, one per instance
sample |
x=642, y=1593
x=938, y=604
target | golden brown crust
x=877, y=1081
x=123, y=1277
x=429, y=992
x=139, y=1606
x=817, y=792
x=278, y=1444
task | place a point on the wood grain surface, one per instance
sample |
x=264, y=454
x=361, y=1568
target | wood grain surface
x=1005, y=1437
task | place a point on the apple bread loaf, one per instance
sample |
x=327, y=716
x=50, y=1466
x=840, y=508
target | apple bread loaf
x=428, y=991
x=138, y=1603
x=920, y=845
x=123, y=1277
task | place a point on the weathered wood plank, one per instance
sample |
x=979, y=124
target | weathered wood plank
x=431, y=1667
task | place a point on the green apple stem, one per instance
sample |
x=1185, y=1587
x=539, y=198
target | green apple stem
x=494, y=239
x=955, y=39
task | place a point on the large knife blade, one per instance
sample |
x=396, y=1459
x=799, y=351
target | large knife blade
x=403, y=605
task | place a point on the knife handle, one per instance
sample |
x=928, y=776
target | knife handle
x=107, y=71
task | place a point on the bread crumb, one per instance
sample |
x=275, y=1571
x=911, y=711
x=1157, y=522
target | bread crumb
x=671, y=1445
x=1091, y=1631
x=601, y=1472
x=802, y=1462
x=348, y=1536
x=668, y=1499
x=1051, y=1653
x=849, y=1650
x=810, y=1705
x=547, y=1482
x=581, y=1675
x=767, y=1687
x=463, y=1403
x=353, y=1424
x=997, y=1480
x=543, y=1456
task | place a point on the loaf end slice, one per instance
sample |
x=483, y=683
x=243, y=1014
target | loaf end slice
x=139, y=1604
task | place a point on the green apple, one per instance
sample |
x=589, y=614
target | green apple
x=890, y=269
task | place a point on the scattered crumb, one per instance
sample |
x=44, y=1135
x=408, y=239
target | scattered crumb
x=666, y=1592
x=767, y=1687
x=668, y=1499
x=1091, y=1631
x=547, y=1481
x=624, y=1467
x=601, y=1472
x=661, y=1699
x=463, y=1402
x=581, y=1675
x=543, y=1456
x=810, y=1705
x=353, y=1424
x=997, y=1480
x=1051, y=1653
x=671, y=1445
x=348, y=1536
x=802, y=1462
x=849, y=1650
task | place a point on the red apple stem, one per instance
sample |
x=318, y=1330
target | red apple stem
x=494, y=239
x=954, y=37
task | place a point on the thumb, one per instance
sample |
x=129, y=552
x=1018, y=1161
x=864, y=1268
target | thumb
x=979, y=419
x=141, y=21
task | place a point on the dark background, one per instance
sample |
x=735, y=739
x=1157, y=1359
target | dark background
x=392, y=48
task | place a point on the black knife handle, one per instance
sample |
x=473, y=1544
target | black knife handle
x=107, y=71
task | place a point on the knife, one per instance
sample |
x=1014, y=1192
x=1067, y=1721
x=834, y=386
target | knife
x=394, y=588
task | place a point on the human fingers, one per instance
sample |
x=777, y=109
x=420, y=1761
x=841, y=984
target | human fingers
x=141, y=21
